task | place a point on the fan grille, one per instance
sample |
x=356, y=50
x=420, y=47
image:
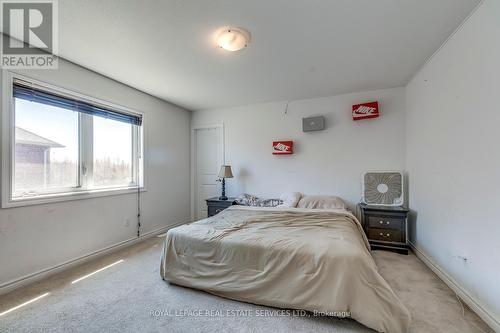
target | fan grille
x=383, y=188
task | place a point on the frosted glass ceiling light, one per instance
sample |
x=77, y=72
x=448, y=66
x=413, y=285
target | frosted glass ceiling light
x=233, y=39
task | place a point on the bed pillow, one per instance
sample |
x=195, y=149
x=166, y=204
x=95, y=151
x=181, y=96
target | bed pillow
x=268, y=203
x=250, y=200
x=246, y=200
x=290, y=199
x=321, y=202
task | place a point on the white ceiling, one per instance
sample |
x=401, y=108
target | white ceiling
x=299, y=48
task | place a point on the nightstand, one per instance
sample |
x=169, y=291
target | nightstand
x=216, y=206
x=385, y=227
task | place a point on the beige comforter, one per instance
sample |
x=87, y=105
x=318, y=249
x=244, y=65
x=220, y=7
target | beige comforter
x=316, y=260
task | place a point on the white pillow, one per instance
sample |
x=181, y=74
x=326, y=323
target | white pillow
x=321, y=202
x=290, y=199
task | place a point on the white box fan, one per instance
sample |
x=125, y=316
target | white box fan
x=383, y=188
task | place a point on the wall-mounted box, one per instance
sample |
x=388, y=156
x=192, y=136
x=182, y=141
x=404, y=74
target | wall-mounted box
x=312, y=124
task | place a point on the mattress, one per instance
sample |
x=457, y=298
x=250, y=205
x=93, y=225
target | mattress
x=308, y=259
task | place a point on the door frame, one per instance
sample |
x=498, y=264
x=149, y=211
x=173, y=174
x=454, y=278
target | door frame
x=194, y=128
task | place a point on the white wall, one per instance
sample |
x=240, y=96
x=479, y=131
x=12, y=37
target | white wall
x=326, y=162
x=453, y=158
x=38, y=237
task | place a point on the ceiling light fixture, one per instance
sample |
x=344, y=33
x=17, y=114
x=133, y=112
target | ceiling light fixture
x=233, y=39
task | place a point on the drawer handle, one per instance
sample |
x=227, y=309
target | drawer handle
x=386, y=235
x=387, y=222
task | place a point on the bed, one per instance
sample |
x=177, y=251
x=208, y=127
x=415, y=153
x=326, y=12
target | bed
x=292, y=258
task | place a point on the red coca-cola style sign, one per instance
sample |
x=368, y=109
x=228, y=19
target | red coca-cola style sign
x=282, y=147
x=365, y=111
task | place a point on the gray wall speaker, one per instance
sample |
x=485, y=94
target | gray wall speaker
x=313, y=124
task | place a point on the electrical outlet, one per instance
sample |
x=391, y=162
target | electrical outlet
x=127, y=222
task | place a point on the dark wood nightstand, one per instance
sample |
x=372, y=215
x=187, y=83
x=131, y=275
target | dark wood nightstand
x=216, y=206
x=385, y=227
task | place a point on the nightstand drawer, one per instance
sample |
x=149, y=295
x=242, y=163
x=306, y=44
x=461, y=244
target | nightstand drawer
x=213, y=210
x=385, y=227
x=215, y=205
x=385, y=222
x=388, y=235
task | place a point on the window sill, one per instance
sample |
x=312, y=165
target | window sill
x=61, y=197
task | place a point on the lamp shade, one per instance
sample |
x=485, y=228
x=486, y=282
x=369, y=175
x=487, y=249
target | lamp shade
x=225, y=172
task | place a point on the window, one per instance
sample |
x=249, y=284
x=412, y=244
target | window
x=113, y=152
x=46, y=148
x=66, y=145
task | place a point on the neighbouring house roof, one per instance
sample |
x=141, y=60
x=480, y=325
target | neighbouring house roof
x=25, y=137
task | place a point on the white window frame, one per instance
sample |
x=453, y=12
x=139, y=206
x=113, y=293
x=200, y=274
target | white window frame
x=8, y=149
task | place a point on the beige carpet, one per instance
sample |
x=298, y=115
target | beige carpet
x=131, y=297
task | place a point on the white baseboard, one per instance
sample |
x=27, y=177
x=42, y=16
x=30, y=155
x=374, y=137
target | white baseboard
x=28, y=279
x=474, y=304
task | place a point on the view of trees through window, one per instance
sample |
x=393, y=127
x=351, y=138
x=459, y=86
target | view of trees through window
x=47, y=150
x=112, y=153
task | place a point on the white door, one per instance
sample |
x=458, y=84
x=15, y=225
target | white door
x=208, y=158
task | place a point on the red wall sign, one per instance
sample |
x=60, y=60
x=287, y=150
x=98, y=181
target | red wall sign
x=365, y=111
x=282, y=147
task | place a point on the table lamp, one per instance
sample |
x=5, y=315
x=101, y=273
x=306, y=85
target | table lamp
x=225, y=172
